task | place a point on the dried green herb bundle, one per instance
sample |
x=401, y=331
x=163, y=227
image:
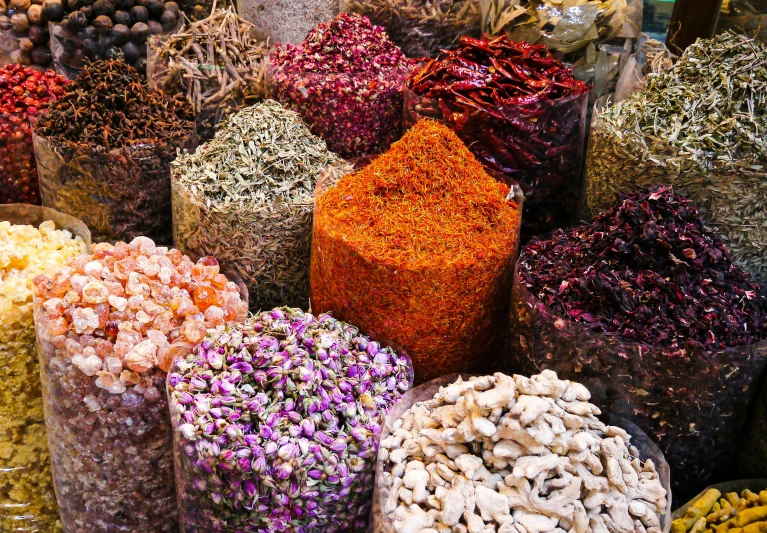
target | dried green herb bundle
x=247, y=197
x=699, y=126
x=215, y=65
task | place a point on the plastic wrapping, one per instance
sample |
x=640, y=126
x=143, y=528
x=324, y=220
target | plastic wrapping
x=286, y=21
x=421, y=28
x=694, y=405
x=748, y=17
x=652, y=57
x=379, y=523
x=23, y=34
x=120, y=194
x=554, y=133
x=27, y=499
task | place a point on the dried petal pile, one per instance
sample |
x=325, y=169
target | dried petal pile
x=104, y=151
x=276, y=424
x=347, y=80
x=514, y=455
x=109, y=326
x=25, y=469
x=247, y=197
x=418, y=249
x=522, y=114
x=698, y=126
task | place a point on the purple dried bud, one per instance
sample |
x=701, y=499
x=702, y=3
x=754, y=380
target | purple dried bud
x=199, y=484
x=271, y=448
x=283, y=471
x=249, y=487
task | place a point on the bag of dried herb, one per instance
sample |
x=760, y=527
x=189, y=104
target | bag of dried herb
x=247, y=198
x=214, y=80
x=286, y=21
x=595, y=37
x=421, y=28
x=24, y=94
x=645, y=307
x=698, y=126
x=33, y=240
x=418, y=249
x=347, y=81
x=104, y=150
x=108, y=327
x=276, y=424
x=521, y=113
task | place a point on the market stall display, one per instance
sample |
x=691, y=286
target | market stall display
x=104, y=151
x=33, y=240
x=732, y=505
x=595, y=37
x=247, y=197
x=417, y=249
x=645, y=306
x=514, y=454
x=347, y=81
x=108, y=327
x=521, y=113
x=698, y=126
x=421, y=28
x=276, y=422
x=25, y=93
x=215, y=80
x=286, y=21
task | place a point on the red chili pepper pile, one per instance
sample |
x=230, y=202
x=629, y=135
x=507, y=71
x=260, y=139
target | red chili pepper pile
x=24, y=93
x=520, y=111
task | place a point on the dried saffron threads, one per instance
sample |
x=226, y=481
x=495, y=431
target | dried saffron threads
x=417, y=249
x=646, y=307
x=522, y=114
x=347, y=81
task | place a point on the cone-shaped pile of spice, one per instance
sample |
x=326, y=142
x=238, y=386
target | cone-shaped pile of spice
x=417, y=250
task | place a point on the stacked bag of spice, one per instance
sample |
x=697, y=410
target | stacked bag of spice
x=24, y=94
x=276, y=424
x=215, y=81
x=108, y=327
x=30, y=244
x=104, y=151
x=247, y=197
x=422, y=28
x=521, y=113
x=595, y=37
x=347, y=81
x=286, y=21
x=645, y=307
x=698, y=126
x=417, y=249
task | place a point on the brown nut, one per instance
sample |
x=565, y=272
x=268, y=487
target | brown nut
x=19, y=22
x=35, y=14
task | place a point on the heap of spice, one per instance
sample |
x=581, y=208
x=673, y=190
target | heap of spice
x=347, y=81
x=247, y=197
x=521, y=113
x=698, y=126
x=212, y=79
x=286, y=21
x=421, y=28
x=744, y=513
x=26, y=486
x=108, y=326
x=24, y=94
x=645, y=305
x=276, y=424
x=418, y=249
x=104, y=151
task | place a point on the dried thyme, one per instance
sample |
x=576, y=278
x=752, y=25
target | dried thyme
x=699, y=126
x=215, y=65
x=247, y=197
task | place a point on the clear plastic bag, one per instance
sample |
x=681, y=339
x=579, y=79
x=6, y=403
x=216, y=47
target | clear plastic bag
x=552, y=132
x=286, y=21
x=379, y=523
x=23, y=35
x=748, y=17
x=120, y=194
x=693, y=404
x=27, y=499
x=421, y=28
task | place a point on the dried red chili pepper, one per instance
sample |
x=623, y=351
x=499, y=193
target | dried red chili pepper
x=522, y=114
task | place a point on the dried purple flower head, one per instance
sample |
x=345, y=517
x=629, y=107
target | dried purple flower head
x=282, y=427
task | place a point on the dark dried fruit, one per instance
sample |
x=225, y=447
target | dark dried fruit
x=53, y=12
x=77, y=20
x=139, y=32
x=155, y=27
x=120, y=34
x=121, y=17
x=131, y=52
x=103, y=24
x=103, y=7
x=139, y=14
x=38, y=34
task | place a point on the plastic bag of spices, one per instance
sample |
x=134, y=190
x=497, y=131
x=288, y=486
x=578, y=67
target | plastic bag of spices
x=33, y=240
x=645, y=307
x=428, y=402
x=421, y=28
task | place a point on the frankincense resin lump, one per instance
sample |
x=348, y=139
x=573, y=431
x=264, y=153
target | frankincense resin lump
x=109, y=325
